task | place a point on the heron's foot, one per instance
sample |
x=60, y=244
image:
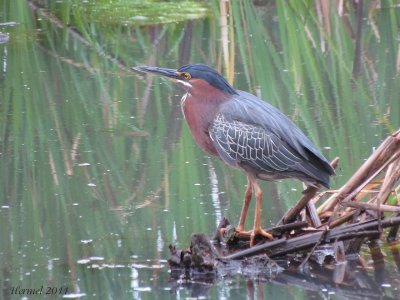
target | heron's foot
x=259, y=231
x=240, y=229
x=243, y=233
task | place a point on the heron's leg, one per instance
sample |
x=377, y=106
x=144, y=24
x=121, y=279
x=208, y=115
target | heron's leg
x=246, y=204
x=257, y=230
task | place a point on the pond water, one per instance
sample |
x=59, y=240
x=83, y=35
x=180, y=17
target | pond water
x=99, y=173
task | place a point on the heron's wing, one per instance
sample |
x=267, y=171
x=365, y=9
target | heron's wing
x=251, y=146
x=247, y=108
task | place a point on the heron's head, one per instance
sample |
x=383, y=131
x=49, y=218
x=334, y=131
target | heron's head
x=193, y=77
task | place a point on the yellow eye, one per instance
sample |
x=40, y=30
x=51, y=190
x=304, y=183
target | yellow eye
x=186, y=76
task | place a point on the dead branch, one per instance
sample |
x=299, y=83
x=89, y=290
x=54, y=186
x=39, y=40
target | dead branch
x=384, y=152
x=387, y=208
x=309, y=194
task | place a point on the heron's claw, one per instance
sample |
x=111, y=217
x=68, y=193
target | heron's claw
x=240, y=230
x=259, y=231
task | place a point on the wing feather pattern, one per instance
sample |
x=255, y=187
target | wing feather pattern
x=252, y=146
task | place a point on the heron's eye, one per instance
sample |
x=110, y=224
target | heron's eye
x=186, y=76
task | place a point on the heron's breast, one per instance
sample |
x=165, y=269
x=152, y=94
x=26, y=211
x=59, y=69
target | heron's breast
x=199, y=115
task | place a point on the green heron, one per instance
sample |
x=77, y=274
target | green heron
x=246, y=133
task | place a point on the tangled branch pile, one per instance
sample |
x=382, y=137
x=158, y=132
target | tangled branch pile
x=342, y=219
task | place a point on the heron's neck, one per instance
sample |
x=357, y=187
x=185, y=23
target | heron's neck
x=199, y=114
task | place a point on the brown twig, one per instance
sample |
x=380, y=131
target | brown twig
x=392, y=176
x=312, y=212
x=363, y=205
x=258, y=249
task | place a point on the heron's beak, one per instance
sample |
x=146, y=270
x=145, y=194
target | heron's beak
x=170, y=73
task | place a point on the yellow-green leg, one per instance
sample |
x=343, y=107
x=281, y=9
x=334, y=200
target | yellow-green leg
x=257, y=230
